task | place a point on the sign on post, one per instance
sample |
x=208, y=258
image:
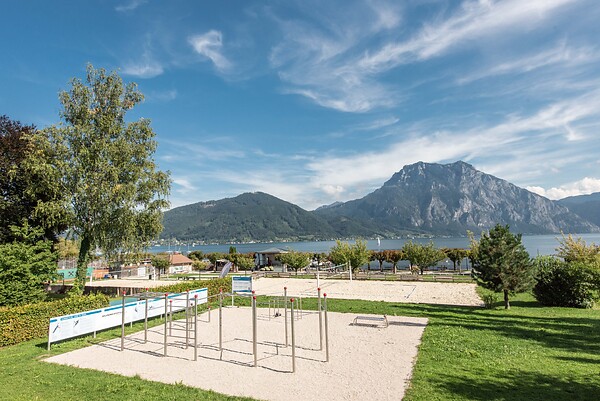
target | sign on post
x=241, y=284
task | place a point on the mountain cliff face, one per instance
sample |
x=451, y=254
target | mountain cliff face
x=450, y=199
x=585, y=206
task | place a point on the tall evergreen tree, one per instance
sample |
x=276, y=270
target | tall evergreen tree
x=116, y=194
x=501, y=263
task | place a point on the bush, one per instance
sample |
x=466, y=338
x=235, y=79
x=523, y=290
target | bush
x=489, y=300
x=213, y=286
x=22, y=323
x=566, y=284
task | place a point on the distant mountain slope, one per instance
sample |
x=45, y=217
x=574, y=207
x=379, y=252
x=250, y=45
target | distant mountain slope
x=450, y=199
x=247, y=217
x=585, y=206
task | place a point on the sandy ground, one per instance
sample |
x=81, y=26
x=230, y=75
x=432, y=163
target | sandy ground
x=388, y=291
x=367, y=362
x=374, y=290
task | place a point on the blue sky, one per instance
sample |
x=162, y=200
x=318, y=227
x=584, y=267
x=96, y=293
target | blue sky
x=320, y=101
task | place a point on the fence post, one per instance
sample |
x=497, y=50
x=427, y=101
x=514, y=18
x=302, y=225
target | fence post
x=221, y=321
x=187, y=318
x=146, y=318
x=196, y=327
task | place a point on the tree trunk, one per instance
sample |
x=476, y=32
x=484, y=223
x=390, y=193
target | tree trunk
x=506, y=303
x=82, y=262
x=394, y=268
x=381, y=266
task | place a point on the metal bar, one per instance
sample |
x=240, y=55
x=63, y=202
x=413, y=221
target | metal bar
x=320, y=320
x=165, y=331
x=254, y=324
x=146, y=318
x=195, y=327
x=123, y=322
x=285, y=314
x=293, y=337
x=326, y=330
x=170, y=319
x=221, y=321
x=187, y=318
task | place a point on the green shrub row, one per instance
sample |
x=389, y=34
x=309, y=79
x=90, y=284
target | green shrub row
x=213, y=286
x=25, y=322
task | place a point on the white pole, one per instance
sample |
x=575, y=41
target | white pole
x=350, y=271
x=318, y=281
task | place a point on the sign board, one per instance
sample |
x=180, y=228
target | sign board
x=241, y=284
x=67, y=326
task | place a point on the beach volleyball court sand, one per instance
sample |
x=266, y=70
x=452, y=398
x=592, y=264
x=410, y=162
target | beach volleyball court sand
x=367, y=362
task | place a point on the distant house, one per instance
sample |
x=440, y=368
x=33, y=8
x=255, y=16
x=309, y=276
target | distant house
x=268, y=256
x=179, y=263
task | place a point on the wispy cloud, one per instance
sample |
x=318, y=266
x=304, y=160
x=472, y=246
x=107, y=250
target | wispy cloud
x=162, y=96
x=147, y=66
x=337, y=65
x=562, y=55
x=525, y=147
x=475, y=20
x=210, y=45
x=130, y=5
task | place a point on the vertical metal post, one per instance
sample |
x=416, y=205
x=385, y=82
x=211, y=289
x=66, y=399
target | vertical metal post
x=285, y=319
x=123, y=322
x=146, y=318
x=320, y=319
x=221, y=321
x=170, y=319
x=326, y=330
x=208, y=313
x=350, y=271
x=254, y=331
x=165, y=331
x=195, y=327
x=187, y=318
x=293, y=337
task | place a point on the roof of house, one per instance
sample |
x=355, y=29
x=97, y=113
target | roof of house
x=273, y=251
x=179, y=259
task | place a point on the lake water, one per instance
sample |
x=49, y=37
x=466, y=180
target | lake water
x=535, y=245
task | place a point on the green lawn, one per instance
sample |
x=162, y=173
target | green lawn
x=525, y=353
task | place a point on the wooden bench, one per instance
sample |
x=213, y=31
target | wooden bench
x=383, y=319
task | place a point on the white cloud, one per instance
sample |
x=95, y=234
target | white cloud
x=145, y=69
x=183, y=185
x=210, y=46
x=162, y=96
x=130, y=6
x=585, y=186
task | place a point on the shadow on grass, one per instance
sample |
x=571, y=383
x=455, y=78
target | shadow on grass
x=524, y=386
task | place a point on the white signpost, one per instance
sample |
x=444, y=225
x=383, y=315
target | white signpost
x=241, y=285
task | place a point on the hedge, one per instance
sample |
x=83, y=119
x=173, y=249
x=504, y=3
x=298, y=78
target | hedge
x=213, y=286
x=25, y=322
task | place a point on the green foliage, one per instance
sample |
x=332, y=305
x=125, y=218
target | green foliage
x=213, y=286
x=25, y=266
x=29, y=191
x=160, y=262
x=393, y=256
x=502, y=263
x=196, y=255
x=577, y=250
x=116, y=194
x=294, y=259
x=424, y=256
x=379, y=256
x=356, y=255
x=456, y=255
x=22, y=323
x=559, y=283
